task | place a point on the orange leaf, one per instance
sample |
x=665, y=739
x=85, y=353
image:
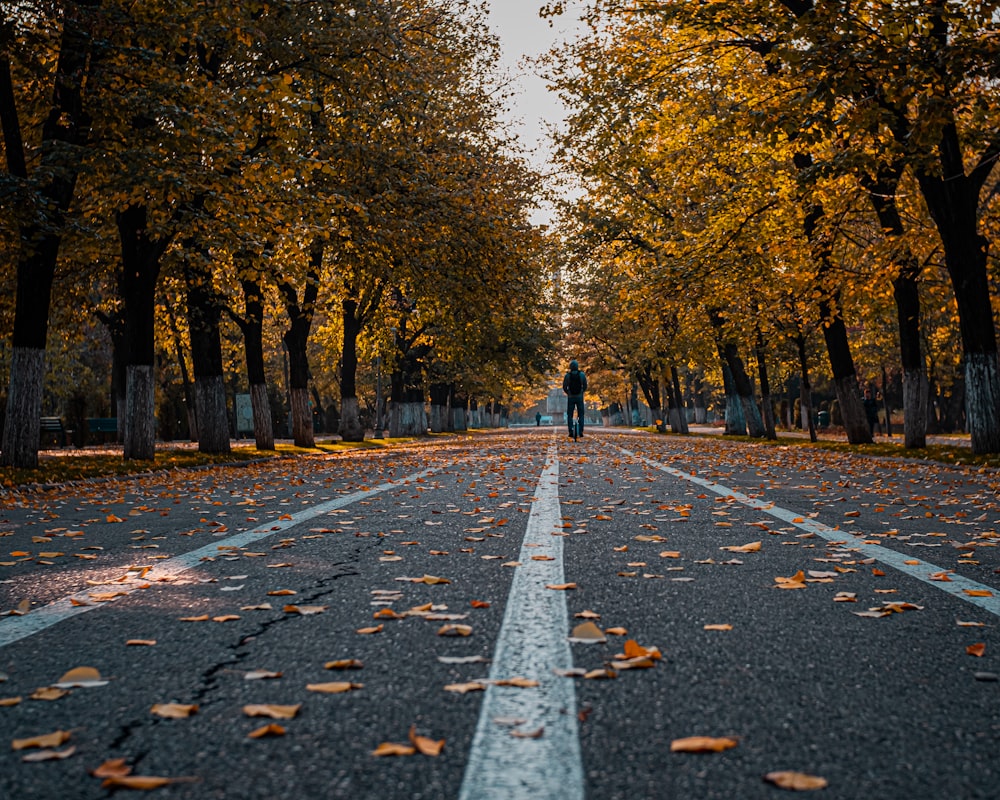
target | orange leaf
x=271, y=729
x=281, y=593
x=463, y=688
x=635, y=650
x=425, y=745
x=140, y=782
x=113, y=767
x=455, y=630
x=723, y=627
x=333, y=687
x=201, y=618
x=796, y=781
x=376, y=629
x=393, y=749
x=140, y=642
x=617, y=631
x=751, y=547
x=480, y=604
x=702, y=744
x=47, y=740
x=272, y=711
x=344, y=663
x=976, y=650
x=560, y=587
x=174, y=710
x=113, y=518
x=978, y=592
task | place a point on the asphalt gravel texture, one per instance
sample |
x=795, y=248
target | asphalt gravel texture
x=891, y=707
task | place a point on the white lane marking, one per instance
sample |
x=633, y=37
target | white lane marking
x=957, y=585
x=13, y=629
x=532, y=642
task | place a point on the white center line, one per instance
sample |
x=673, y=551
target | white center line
x=958, y=586
x=531, y=643
x=13, y=629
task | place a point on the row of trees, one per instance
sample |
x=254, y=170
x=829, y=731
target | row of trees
x=174, y=169
x=761, y=176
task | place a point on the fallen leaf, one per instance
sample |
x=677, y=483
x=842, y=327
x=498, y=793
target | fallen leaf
x=617, y=631
x=635, y=650
x=479, y=604
x=271, y=729
x=720, y=627
x=559, y=587
x=81, y=678
x=281, y=593
x=518, y=682
x=702, y=744
x=111, y=768
x=174, y=710
x=670, y=554
x=639, y=662
x=48, y=693
x=260, y=674
x=7, y=702
x=393, y=749
x=432, y=580
x=201, y=618
x=463, y=660
x=796, y=581
x=535, y=734
x=47, y=740
x=750, y=547
x=333, y=687
x=305, y=611
x=272, y=711
x=225, y=618
x=425, y=745
x=463, y=688
x=141, y=642
x=375, y=629
x=455, y=630
x=260, y=607
x=587, y=632
x=962, y=624
x=978, y=592
x=601, y=673
x=976, y=649
x=344, y=663
x=49, y=755
x=140, y=782
x=588, y=615
x=796, y=781
x=845, y=597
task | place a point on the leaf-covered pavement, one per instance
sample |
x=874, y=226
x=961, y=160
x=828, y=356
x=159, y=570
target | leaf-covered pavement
x=717, y=650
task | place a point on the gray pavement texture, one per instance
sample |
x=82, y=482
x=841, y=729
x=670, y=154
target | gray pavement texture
x=891, y=707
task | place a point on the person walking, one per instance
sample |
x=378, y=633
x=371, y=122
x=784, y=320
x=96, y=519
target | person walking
x=574, y=385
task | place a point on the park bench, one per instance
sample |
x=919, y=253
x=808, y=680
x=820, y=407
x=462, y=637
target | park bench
x=51, y=430
x=104, y=427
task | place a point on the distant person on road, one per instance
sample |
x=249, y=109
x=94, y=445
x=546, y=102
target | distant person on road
x=574, y=385
x=871, y=411
x=538, y=418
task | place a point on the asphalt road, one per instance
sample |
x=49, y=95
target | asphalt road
x=280, y=566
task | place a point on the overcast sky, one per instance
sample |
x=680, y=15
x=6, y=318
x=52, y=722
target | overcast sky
x=524, y=34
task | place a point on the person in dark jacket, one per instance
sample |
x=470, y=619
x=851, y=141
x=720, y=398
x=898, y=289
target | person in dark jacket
x=574, y=385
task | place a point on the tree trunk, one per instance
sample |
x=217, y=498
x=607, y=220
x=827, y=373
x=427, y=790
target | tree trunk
x=189, y=402
x=765, y=389
x=678, y=402
x=351, y=429
x=24, y=402
x=736, y=423
x=805, y=389
x=296, y=339
x=953, y=202
x=439, y=407
x=40, y=232
x=407, y=418
x=459, y=412
x=906, y=293
x=203, y=311
x=252, y=327
x=140, y=270
x=263, y=427
x=140, y=434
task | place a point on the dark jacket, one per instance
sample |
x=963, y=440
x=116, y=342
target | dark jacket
x=583, y=384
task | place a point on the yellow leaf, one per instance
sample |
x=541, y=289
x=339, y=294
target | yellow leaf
x=48, y=693
x=6, y=702
x=80, y=676
x=702, y=744
x=796, y=781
